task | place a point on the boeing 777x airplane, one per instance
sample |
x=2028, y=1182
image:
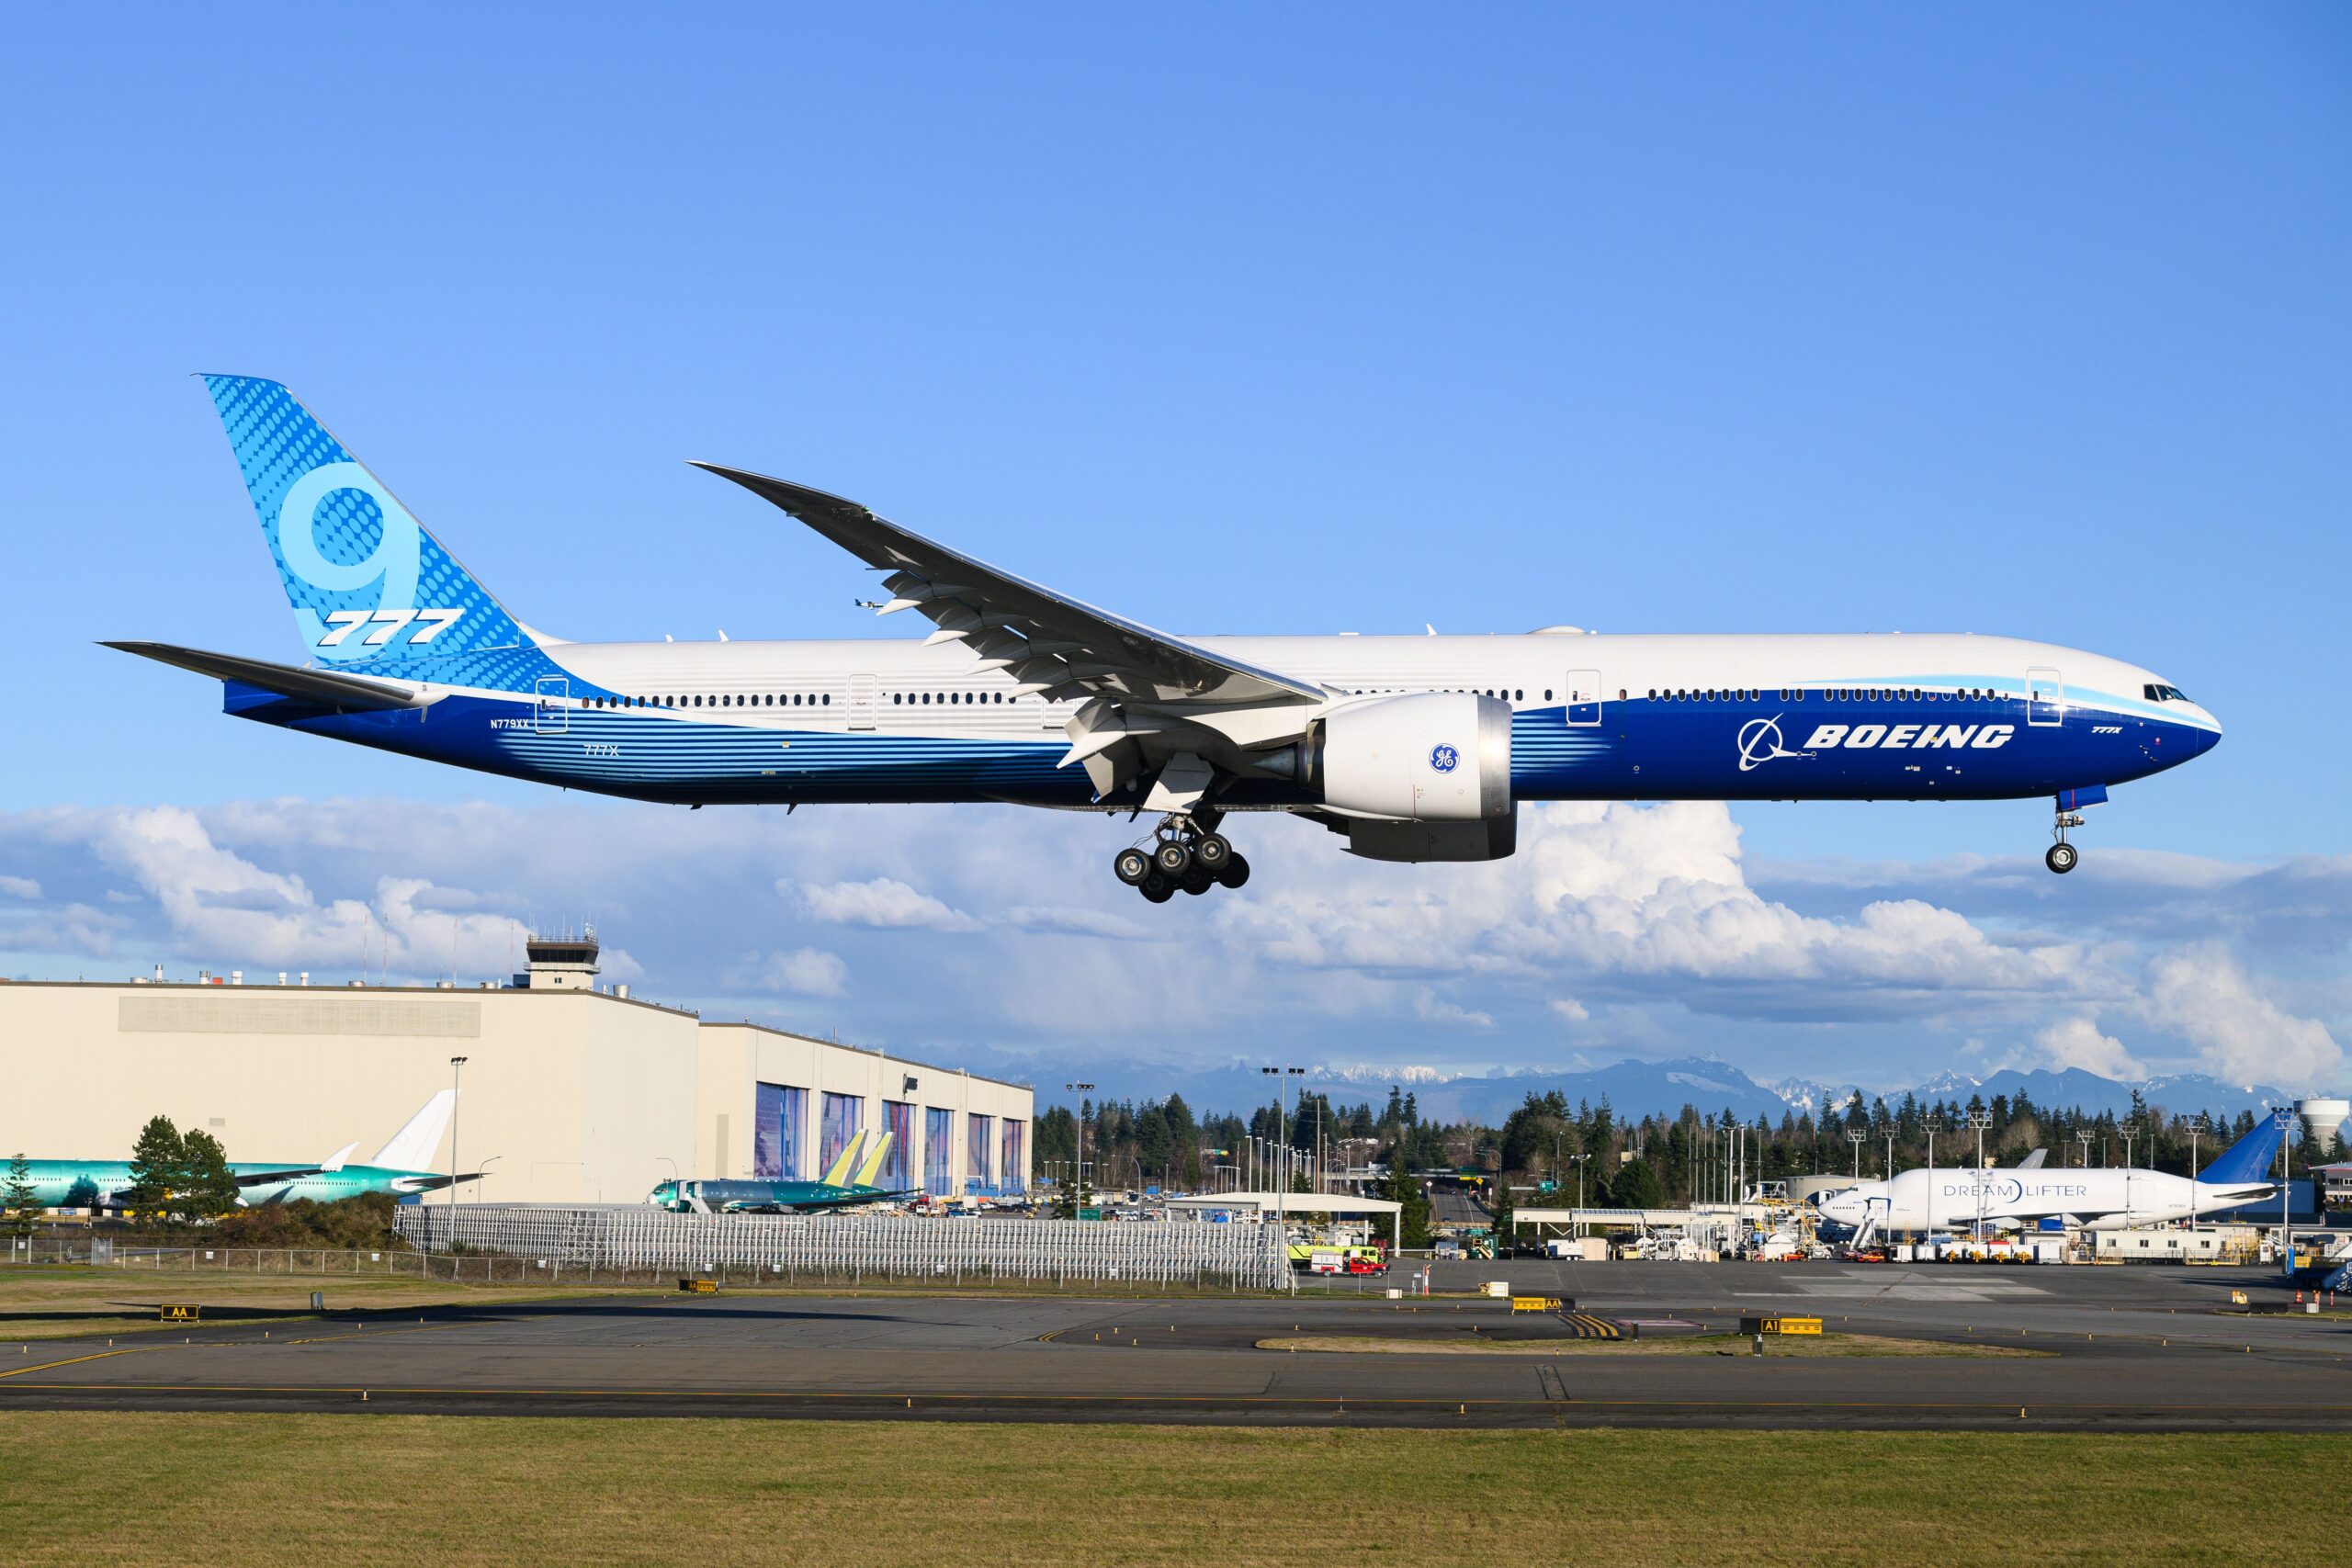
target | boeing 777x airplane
x=1414, y=748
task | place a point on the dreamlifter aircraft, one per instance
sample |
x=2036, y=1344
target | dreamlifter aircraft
x=2105, y=1199
x=1414, y=748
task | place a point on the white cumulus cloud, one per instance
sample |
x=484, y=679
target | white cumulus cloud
x=801, y=972
x=883, y=902
x=2077, y=1043
x=2205, y=995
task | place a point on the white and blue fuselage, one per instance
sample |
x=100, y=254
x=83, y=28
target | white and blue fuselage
x=1892, y=717
x=1420, y=747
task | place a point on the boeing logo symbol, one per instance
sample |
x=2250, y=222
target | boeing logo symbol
x=1759, y=743
x=1444, y=759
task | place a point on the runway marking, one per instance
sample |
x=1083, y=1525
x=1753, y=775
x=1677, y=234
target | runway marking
x=363, y=1331
x=93, y=1356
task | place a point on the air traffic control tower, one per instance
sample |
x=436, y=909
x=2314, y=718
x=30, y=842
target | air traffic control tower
x=560, y=963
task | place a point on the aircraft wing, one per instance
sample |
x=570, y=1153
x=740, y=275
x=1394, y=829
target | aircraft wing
x=1155, y=694
x=2033, y=1160
x=279, y=1178
x=852, y=1200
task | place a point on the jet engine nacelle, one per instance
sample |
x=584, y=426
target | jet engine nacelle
x=1424, y=777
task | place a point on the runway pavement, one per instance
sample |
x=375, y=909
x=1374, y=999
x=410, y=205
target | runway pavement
x=2130, y=1348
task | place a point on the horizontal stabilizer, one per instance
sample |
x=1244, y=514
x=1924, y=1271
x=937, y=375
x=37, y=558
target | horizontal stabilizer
x=309, y=685
x=437, y=1183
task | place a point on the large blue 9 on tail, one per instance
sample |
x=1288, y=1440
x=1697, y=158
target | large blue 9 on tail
x=370, y=584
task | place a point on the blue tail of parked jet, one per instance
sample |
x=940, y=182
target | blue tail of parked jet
x=2249, y=1158
x=372, y=588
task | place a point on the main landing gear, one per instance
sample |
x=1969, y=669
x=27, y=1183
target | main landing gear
x=1187, y=854
x=2063, y=857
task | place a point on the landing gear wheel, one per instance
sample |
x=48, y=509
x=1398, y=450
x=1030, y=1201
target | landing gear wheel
x=1157, y=888
x=1198, y=881
x=1234, y=872
x=2061, y=858
x=1211, y=852
x=1173, y=857
x=1131, y=866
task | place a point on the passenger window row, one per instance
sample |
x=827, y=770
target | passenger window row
x=1828, y=694
x=727, y=700
x=1502, y=693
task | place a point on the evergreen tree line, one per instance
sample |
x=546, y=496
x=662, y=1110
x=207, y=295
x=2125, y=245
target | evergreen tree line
x=1645, y=1163
x=1131, y=1145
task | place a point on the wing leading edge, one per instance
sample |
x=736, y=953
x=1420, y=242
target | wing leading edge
x=1048, y=641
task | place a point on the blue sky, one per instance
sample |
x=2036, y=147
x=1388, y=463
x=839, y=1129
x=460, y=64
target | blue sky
x=2027, y=321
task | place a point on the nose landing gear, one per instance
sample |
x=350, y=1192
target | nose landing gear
x=2063, y=857
x=1188, y=853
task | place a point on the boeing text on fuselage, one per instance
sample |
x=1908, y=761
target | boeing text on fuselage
x=1413, y=748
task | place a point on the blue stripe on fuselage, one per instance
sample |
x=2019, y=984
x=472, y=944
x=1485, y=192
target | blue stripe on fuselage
x=1641, y=748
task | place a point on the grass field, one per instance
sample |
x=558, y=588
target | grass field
x=1663, y=1345
x=45, y=1304
x=87, y=1490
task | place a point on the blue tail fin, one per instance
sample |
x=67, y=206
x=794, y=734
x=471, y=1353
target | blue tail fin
x=2249, y=1158
x=371, y=587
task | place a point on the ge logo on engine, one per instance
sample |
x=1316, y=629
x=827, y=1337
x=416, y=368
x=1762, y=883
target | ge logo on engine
x=1444, y=759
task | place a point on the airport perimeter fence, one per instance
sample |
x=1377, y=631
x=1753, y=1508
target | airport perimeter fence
x=305, y=1261
x=550, y=1239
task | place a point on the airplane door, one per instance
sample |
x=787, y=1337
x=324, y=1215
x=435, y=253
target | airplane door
x=2045, y=697
x=1584, y=698
x=553, y=717
x=861, y=702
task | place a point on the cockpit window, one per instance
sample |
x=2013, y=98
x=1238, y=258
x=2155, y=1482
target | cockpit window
x=2155, y=694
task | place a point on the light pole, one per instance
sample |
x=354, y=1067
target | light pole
x=2083, y=1136
x=1980, y=1121
x=2197, y=1124
x=1933, y=1124
x=1579, y=1160
x=457, y=1071
x=1855, y=1135
x=2285, y=1118
x=2130, y=1130
x=1281, y=1076
x=1078, y=1208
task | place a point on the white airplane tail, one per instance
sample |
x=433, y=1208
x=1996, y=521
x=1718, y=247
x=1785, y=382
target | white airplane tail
x=412, y=1147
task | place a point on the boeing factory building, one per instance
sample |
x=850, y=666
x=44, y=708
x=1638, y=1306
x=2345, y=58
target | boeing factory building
x=567, y=1093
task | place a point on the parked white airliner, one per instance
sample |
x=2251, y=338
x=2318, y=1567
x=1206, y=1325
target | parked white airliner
x=2105, y=1199
x=1416, y=749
